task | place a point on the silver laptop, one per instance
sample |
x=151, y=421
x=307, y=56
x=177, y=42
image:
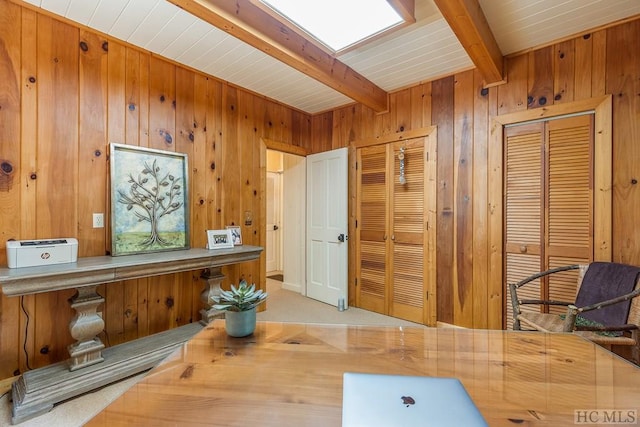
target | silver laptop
x=399, y=400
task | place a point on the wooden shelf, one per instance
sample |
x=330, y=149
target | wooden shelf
x=106, y=269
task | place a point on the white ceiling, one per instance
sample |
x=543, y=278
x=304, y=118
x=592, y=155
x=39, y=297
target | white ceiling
x=423, y=51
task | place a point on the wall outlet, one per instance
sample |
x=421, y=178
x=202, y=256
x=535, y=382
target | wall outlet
x=98, y=220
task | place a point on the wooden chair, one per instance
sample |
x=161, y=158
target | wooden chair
x=597, y=294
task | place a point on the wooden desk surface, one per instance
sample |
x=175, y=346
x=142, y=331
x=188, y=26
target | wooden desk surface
x=290, y=374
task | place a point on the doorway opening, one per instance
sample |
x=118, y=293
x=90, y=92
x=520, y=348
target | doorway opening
x=285, y=219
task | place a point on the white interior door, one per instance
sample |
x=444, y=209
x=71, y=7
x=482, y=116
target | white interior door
x=327, y=226
x=273, y=221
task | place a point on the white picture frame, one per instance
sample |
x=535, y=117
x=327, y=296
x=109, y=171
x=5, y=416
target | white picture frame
x=219, y=239
x=236, y=234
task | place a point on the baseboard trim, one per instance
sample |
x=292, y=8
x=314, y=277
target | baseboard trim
x=291, y=287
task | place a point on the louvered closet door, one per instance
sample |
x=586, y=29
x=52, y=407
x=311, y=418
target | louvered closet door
x=371, y=230
x=569, y=222
x=408, y=232
x=523, y=208
x=549, y=205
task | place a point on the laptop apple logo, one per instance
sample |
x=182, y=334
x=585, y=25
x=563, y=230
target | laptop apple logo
x=408, y=401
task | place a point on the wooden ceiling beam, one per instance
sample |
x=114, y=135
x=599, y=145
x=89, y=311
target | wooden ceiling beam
x=405, y=8
x=247, y=22
x=466, y=19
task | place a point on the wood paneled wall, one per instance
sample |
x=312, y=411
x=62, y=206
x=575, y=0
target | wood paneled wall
x=65, y=94
x=589, y=66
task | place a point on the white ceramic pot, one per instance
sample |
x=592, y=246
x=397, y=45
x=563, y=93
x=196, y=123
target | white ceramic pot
x=240, y=323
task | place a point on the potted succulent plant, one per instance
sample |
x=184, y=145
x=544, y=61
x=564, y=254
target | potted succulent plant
x=240, y=305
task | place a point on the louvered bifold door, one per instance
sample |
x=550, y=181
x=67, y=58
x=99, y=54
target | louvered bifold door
x=371, y=240
x=524, y=165
x=569, y=222
x=408, y=231
x=549, y=206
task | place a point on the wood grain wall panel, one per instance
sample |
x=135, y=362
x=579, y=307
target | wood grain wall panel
x=420, y=106
x=540, y=77
x=57, y=164
x=200, y=173
x=478, y=164
x=442, y=114
x=213, y=130
x=93, y=153
x=512, y=96
x=403, y=115
x=366, y=126
x=249, y=165
x=162, y=126
x=130, y=304
x=28, y=167
x=230, y=165
x=383, y=122
x=10, y=83
x=11, y=175
x=463, y=147
x=135, y=292
x=116, y=72
x=113, y=312
x=599, y=64
x=162, y=109
x=183, y=287
x=300, y=125
x=564, y=71
x=132, y=98
x=623, y=80
x=321, y=132
x=346, y=117
x=200, y=165
x=495, y=304
x=145, y=99
x=583, y=66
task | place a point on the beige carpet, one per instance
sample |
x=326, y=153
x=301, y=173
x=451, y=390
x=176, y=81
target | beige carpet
x=282, y=306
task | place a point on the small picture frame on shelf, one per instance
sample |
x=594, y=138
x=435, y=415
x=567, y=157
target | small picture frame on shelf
x=219, y=239
x=236, y=234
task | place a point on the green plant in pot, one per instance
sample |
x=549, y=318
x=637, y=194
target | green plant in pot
x=240, y=304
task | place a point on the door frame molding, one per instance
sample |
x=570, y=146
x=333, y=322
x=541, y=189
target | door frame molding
x=430, y=133
x=602, y=187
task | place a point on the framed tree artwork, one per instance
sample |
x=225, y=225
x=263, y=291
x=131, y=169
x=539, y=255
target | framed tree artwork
x=149, y=200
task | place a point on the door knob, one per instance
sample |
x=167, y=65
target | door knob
x=275, y=227
x=340, y=237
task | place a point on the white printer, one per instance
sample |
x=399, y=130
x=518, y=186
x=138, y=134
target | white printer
x=31, y=253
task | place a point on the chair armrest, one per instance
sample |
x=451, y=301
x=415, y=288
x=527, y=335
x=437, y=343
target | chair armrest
x=545, y=273
x=543, y=302
x=513, y=290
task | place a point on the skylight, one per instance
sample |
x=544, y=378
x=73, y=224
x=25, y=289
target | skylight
x=338, y=23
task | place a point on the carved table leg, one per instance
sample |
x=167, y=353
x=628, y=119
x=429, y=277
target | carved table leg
x=85, y=327
x=213, y=277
